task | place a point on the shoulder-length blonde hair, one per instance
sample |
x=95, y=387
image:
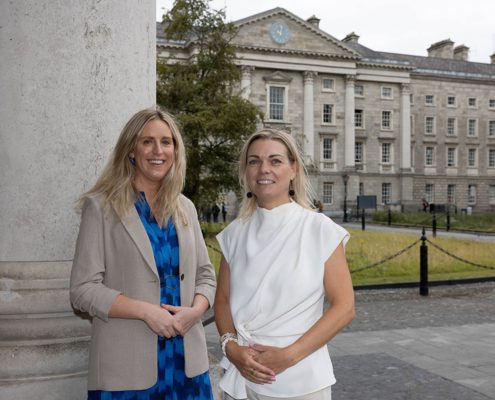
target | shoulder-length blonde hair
x=300, y=184
x=115, y=183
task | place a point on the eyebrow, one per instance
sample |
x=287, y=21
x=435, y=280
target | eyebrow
x=270, y=156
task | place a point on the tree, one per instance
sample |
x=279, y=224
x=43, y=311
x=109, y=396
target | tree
x=203, y=92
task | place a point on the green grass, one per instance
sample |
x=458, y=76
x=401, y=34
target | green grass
x=366, y=248
x=475, y=222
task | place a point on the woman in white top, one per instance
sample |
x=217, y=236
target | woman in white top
x=280, y=259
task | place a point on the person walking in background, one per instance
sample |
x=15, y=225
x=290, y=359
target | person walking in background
x=215, y=210
x=142, y=271
x=280, y=259
x=224, y=212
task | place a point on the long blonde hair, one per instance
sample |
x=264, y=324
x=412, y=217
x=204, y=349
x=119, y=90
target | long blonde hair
x=300, y=184
x=115, y=183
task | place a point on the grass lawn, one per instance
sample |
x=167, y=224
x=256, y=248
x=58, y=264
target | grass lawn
x=475, y=222
x=366, y=248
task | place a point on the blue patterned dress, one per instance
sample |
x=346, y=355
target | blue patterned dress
x=172, y=382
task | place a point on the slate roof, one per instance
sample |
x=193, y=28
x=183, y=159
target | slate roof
x=427, y=65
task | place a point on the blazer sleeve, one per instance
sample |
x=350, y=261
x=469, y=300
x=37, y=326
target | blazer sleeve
x=205, y=274
x=87, y=290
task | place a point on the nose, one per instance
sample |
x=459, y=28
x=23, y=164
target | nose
x=265, y=166
x=157, y=147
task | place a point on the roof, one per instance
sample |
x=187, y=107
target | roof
x=427, y=65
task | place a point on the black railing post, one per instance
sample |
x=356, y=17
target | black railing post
x=389, y=217
x=434, y=225
x=447, y=225
x=423, y=266
x=363, y=223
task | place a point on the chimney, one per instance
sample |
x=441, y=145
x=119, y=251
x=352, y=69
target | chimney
x=314, y=21
x=443, y=49
x=461, y=52
x=492, y=58
x=351, y=37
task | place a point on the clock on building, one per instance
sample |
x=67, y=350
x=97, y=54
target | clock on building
x=279, y=32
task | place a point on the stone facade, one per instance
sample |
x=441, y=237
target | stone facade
x=366, y=120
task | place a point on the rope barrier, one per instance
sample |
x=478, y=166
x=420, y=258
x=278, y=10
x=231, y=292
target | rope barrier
x=213, y=248
x=457, y=257
x=387, y=258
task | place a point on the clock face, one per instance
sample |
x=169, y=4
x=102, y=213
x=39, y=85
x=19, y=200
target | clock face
x=280, y=32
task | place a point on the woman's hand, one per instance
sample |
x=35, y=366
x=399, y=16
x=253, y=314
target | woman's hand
x=243, y=357
x=160, y=321
x=277, y=359
x=184, y=317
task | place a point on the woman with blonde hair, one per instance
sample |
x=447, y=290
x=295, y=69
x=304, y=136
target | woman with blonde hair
x=142, y=271
x=280, y=259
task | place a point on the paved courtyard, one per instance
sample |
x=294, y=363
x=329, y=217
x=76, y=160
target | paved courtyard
x=402, y=346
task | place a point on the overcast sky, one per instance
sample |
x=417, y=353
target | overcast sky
x=397, y=26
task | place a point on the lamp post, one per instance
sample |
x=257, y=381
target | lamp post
x=345, y=177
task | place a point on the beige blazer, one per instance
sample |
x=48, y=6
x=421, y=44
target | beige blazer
x=115, y=256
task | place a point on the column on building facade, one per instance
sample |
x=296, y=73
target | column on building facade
x=405, y=128
x=246, y=72
x=309, y=117
x=58, y=126
x=349, y=131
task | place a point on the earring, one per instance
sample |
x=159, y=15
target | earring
x=249, y=195
x=291, y=191
x=132, y=160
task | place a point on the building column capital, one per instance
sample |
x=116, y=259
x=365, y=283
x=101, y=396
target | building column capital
x=247, y=70
x=350, y=80
x=405, y=88
x=309, y=76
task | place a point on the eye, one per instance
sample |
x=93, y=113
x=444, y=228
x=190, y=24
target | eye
x=147, y=141
x=166, y=141
x=276, y=161
x=253, y=161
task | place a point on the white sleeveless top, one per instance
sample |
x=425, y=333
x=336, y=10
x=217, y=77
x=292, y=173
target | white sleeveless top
x=276, y=260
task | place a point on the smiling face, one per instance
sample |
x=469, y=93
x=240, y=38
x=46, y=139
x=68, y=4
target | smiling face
x=154, y=155
x=269, y=172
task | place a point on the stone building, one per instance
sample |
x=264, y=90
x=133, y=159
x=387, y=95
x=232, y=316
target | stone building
x=397, y=126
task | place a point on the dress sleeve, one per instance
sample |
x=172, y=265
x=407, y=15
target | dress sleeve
x=223, y=239
x=331, y=235
x=87, y=291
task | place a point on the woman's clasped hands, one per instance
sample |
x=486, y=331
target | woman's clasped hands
x=245, y=358
x=170, y=321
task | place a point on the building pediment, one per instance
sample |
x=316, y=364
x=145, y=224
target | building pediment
x=280, y=31
x=277, y=77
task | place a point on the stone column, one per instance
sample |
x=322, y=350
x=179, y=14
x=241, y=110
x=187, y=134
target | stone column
x=72, y=73
x=405, y=129
x=309, y=117
x=349, y=141
x=246, y=72
x=406, y=188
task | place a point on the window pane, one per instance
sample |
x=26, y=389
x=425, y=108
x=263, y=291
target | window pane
x=327, y=148
x=277, y=103
x=327, y=113
x=358, y=152
x=327, y=192
x=386, y=193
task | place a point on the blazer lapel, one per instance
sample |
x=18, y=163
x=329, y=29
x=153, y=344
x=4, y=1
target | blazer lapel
x=135, y=228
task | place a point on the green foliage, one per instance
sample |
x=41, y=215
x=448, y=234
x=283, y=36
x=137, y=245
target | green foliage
x=203, y=93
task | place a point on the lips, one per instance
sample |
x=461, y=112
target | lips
x=265, y=182
x=156, y=162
